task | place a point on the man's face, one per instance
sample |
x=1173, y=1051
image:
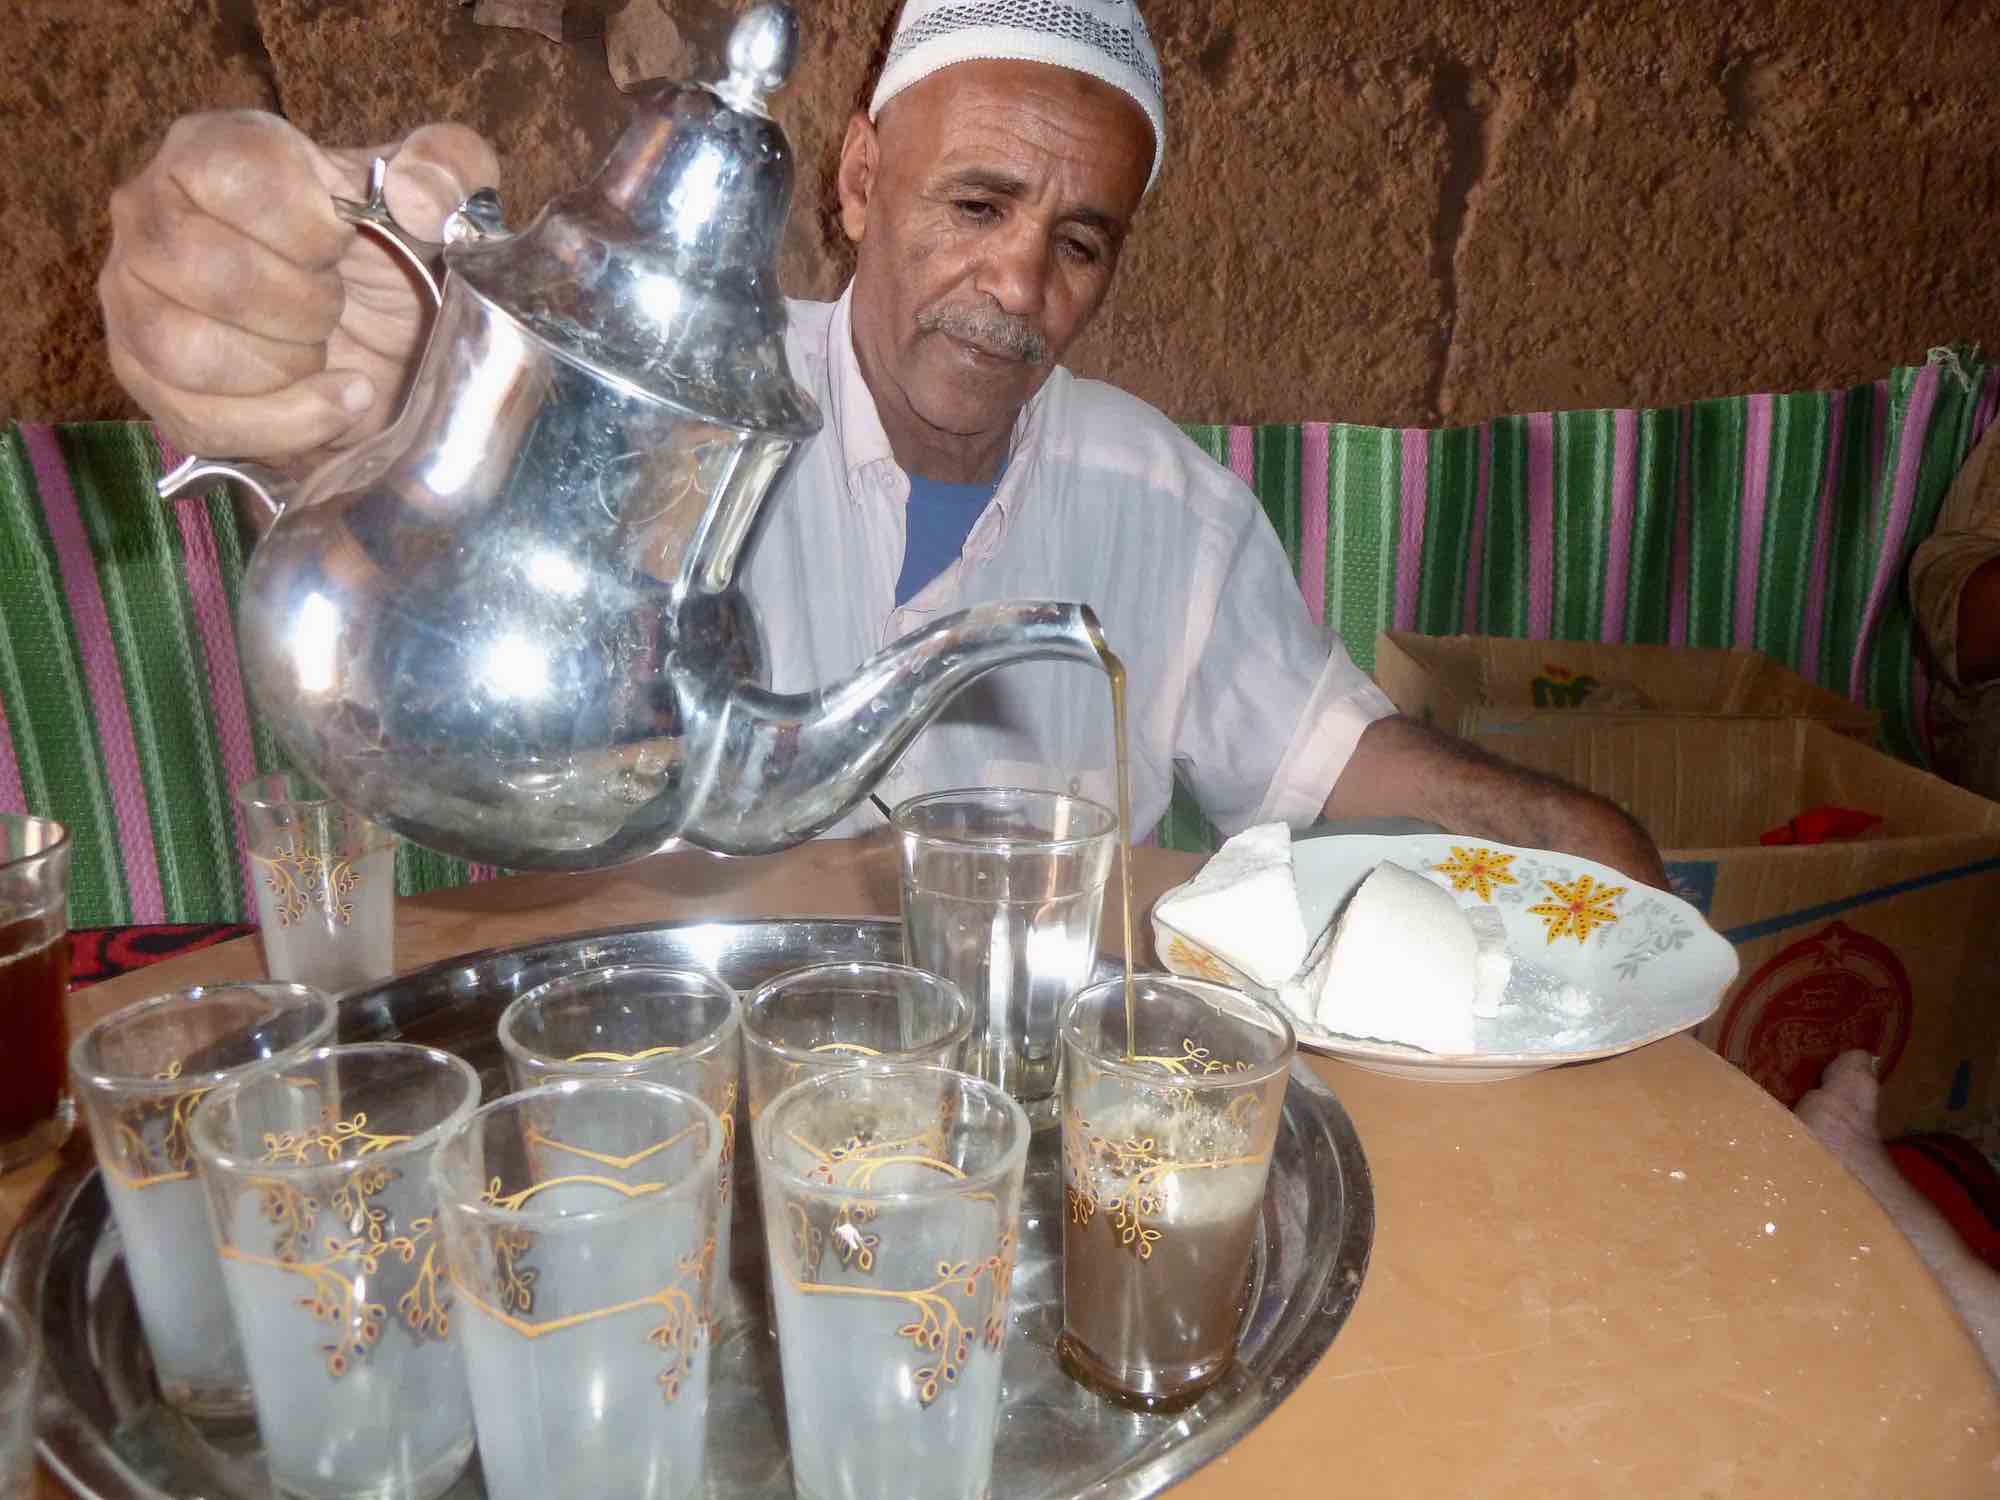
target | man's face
x=989, y=204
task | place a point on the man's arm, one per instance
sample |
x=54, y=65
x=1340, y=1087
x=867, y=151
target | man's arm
x=1401, y=768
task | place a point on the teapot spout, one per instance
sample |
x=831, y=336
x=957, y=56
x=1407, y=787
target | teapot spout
x=787, y=766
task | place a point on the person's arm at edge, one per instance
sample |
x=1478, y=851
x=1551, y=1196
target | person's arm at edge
x=1403, y=768
x=1954, y=578
x=1979, y=624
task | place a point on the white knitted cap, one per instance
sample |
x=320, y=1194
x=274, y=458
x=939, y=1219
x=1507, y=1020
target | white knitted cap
x=1105, y=38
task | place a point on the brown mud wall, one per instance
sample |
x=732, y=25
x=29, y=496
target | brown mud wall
x=1373, y=210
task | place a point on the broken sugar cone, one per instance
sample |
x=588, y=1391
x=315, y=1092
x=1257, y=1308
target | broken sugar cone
x=1405, y=965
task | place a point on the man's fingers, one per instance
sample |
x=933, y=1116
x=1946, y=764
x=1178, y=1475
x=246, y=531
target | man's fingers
x=255, y=173
x=437, y=168
x=316, y=412
x=431, y=171
x=192, y=350
x=180, y=254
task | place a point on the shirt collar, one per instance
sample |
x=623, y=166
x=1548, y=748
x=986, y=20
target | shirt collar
x=853, y=423
x=855, y=426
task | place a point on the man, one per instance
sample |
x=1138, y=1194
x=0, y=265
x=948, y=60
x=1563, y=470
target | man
x=1955, y=589
x=989, y=189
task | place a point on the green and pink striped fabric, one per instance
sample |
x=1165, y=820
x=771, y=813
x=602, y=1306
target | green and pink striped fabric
x=1783, y=522
x=124, y=711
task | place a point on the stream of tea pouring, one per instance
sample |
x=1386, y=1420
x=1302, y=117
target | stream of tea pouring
x=1115, y=670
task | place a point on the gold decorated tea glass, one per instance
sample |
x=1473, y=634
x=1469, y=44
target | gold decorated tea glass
x=326, y=884
x=1170, y=1109
x=138, y=1074
x=580, y=1223
x=318, y=1180
x=681, y=1027
x=835, y=1015
x=891, y=1200
x=20, y=1378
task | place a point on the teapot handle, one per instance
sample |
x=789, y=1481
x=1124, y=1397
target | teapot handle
x=478, y=216
x=373, y=215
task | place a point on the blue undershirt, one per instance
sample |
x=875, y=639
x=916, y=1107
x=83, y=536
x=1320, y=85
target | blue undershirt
x=937, y=522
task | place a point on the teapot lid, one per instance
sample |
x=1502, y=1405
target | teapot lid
x=660, y=272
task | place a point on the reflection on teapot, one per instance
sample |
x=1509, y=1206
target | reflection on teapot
x=508, y=626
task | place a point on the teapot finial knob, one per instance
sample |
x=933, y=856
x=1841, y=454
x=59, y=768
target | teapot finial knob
x=762, y=50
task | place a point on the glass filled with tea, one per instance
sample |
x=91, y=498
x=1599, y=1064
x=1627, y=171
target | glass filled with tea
x=1170, y=1109
x=35, y=1113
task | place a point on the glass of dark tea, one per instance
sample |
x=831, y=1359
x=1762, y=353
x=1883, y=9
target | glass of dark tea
x=35, y=1111
x=1170, y=1109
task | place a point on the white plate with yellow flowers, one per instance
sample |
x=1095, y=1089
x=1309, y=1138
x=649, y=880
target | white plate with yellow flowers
x=1595, y=964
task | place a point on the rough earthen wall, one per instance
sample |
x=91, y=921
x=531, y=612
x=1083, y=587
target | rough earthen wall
x=1376, y=210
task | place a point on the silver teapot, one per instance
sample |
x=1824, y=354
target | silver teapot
x=507, y=626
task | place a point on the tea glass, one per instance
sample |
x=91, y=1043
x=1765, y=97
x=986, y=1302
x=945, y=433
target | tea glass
x=1166, y=1137
x=580, y=1272
x=139, y=1074
x=1002, y=891
x=835, y=1015
x=20, y=1375
x=35, y=1114
x=319, y=1191
x=891, y=1200
x=680, y=1027
x=326, y=884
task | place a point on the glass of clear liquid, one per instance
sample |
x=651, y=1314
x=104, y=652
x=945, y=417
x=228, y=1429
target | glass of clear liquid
x=317, y=1176
x=579, y=1224
x=326, y=884
x=1002, y=892
x=892, y=1200
x=679, y=1027
x=20, y=1366
x=140, y=1073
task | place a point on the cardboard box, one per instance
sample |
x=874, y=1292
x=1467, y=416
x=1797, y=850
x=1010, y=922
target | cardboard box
x=1890, y=942
x=1471, y=683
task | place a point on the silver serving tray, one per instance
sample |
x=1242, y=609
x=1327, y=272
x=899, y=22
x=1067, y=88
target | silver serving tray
x=104, y=1431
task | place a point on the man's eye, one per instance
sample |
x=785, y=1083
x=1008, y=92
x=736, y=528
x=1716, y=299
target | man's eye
x=1079, y=250
x=976, y=208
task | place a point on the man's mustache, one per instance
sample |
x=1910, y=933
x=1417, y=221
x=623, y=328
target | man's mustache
x=987, y=328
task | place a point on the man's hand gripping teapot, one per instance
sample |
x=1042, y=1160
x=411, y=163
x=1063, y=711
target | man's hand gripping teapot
x=507, y=626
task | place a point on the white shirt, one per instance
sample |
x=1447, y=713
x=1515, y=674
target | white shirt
x=1104, y=502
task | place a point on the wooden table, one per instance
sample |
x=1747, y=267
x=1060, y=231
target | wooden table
x=1633, y=1277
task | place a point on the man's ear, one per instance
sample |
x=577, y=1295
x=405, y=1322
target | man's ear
x=860, y=157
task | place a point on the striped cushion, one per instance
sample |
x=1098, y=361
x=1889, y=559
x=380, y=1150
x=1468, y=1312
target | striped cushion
x=124, y=712
x=1783, y=522
x=1780, y=522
